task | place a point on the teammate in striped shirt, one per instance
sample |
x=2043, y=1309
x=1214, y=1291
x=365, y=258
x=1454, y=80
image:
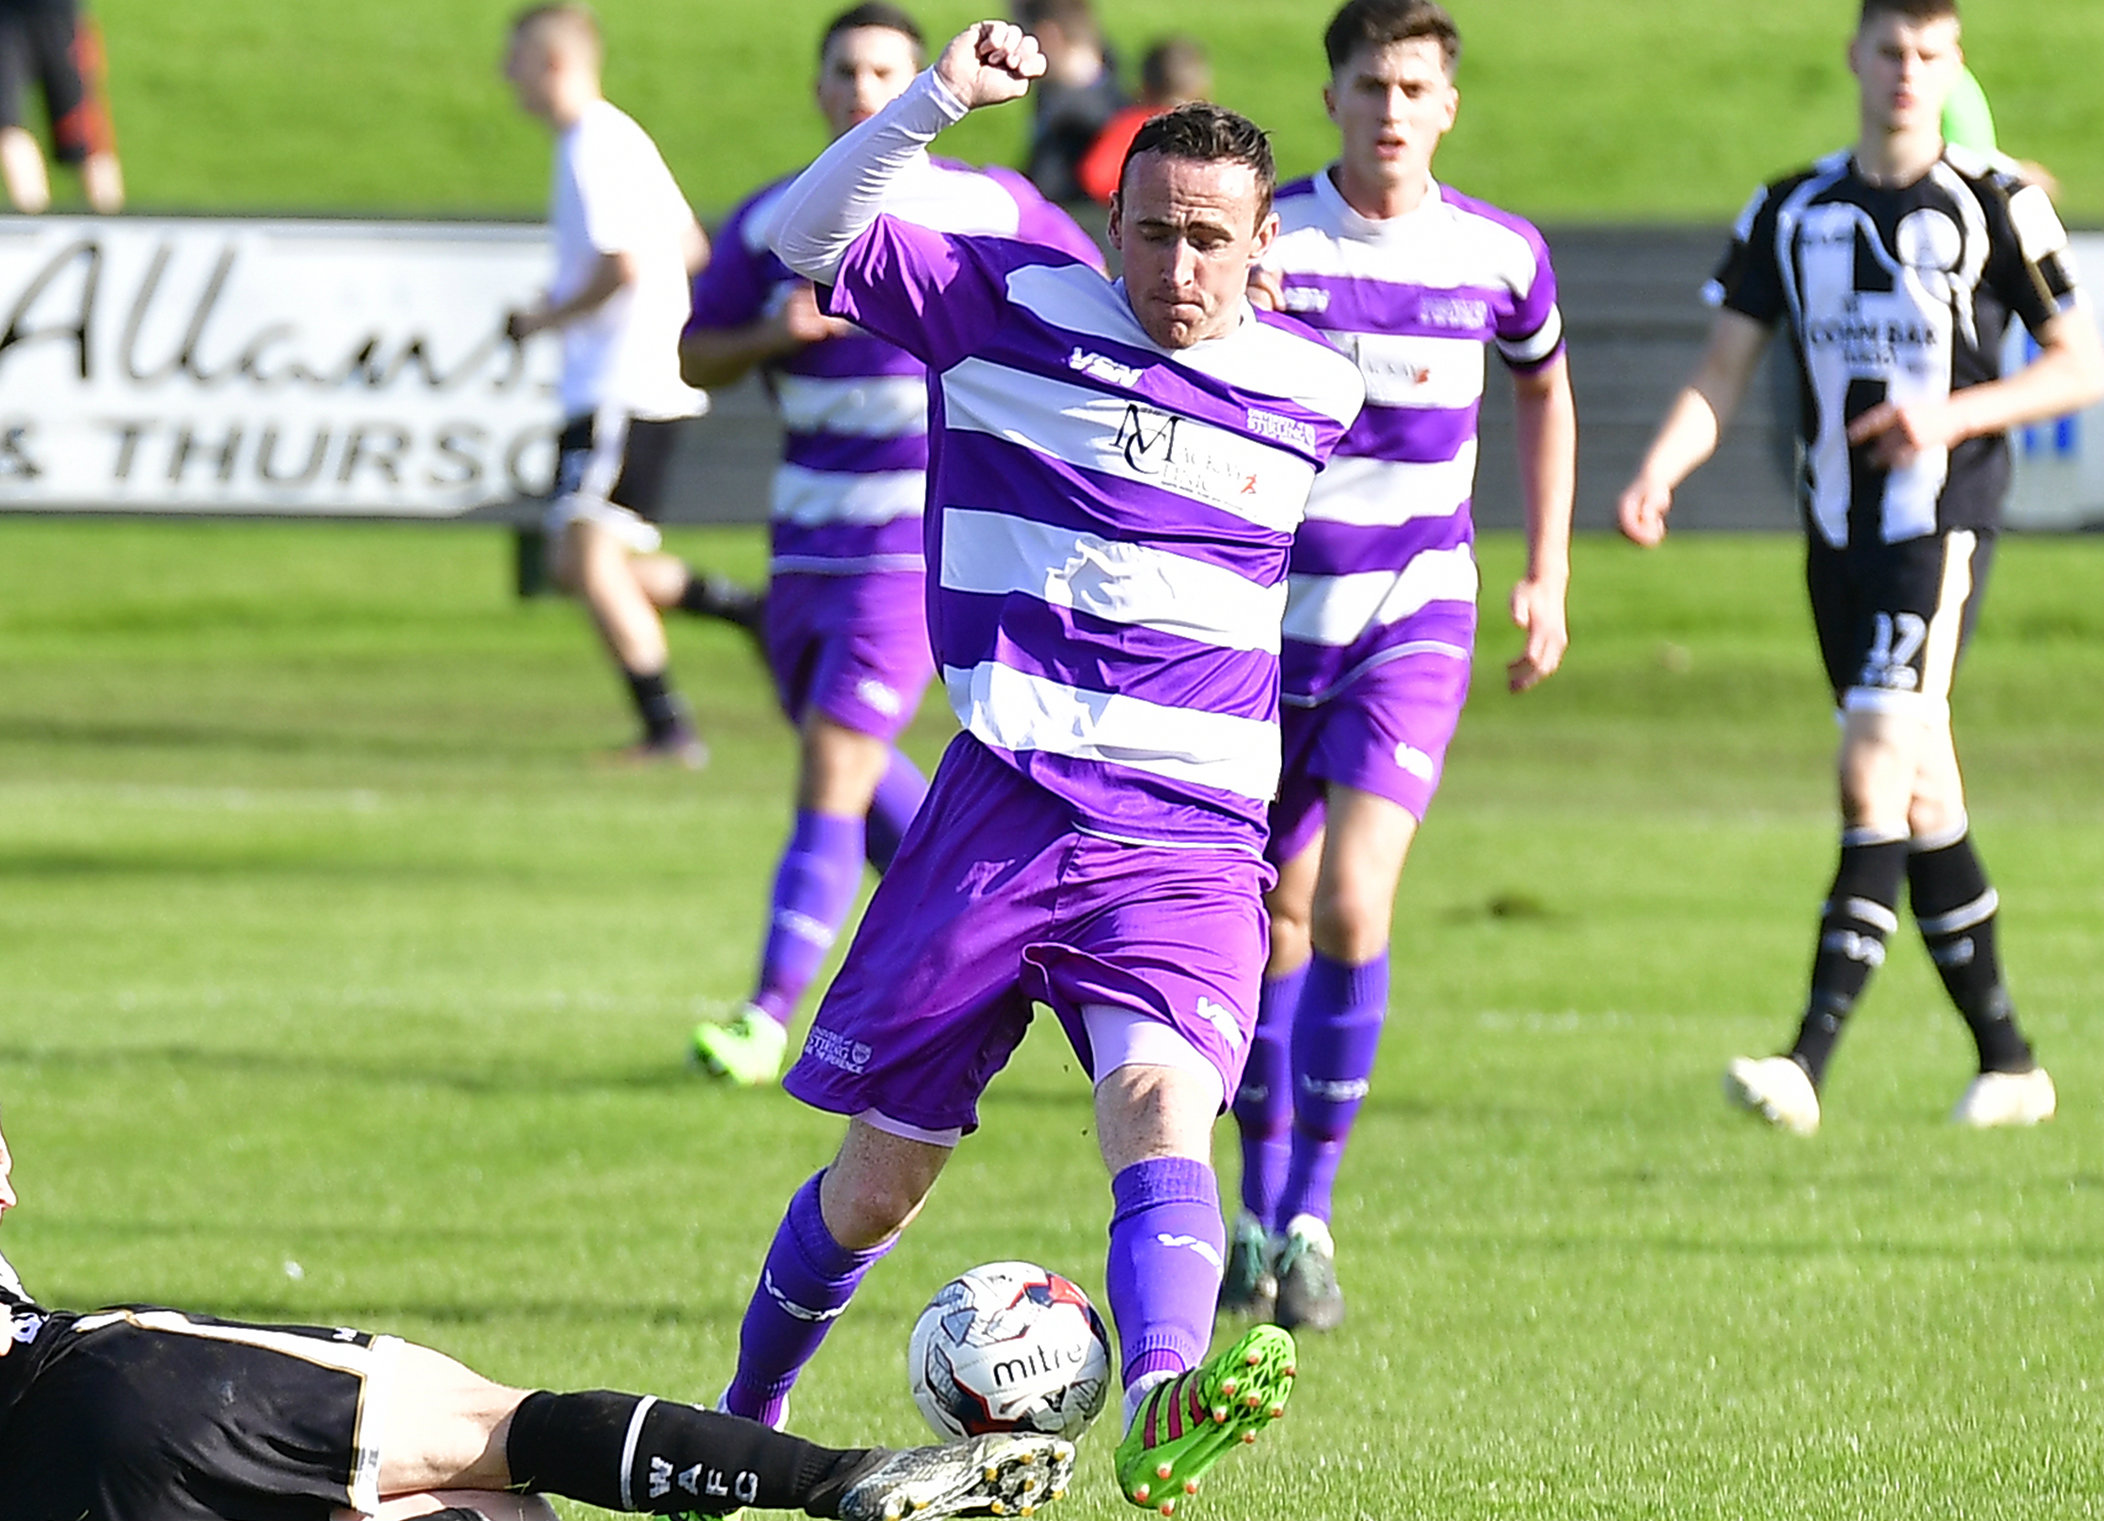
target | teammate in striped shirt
x=1115, y=471
x=846, y=635
x=1896, y=268
x=1415, y=282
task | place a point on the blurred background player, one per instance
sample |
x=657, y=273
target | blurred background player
x=1896, y=267
x=1077, y=97
x=625, y=244
x=1115, y=473
x=53, y=45
x=1415, y=282
x=846, y=628
x=143, y=1414
x=1175, y=70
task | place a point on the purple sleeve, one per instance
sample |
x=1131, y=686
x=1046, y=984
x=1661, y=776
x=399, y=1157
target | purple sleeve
x=936, y=295
x=1039, y=221
x=1531, y=334
x=733, y=287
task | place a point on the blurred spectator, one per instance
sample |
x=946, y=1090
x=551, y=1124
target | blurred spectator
x=1174, y=71
x=51, y=44
x=1077, y=97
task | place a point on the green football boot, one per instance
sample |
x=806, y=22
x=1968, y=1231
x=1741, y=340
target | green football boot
x=747, y=1051
x=1188, y=1423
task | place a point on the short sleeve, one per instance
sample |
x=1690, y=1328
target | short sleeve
x=733, y=289
x=1749, y=281
x=936, y=295
x=2029, y=264
x=1530, y=335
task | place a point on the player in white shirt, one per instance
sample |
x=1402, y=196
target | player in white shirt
x=625, y=245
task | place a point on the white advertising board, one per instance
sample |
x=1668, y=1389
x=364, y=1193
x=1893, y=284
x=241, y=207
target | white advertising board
x=2059, y=475
x=283, y=367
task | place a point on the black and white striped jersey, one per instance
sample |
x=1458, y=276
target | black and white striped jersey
x=1900, y=293
x=29, y=1334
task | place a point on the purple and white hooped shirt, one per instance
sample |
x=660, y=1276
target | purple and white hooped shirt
x=1109, y=524
x=1385, y=565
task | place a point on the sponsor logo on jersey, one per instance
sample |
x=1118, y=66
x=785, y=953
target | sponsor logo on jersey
x=1286, y=430
x=1101, y=367
x=1153, y=446
x=1470, y=313
x=836, y=1050
x=1307, y=298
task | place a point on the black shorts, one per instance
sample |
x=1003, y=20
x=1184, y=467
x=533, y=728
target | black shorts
x=1893, y=619
x=151, y=1415
x=60, y=50
x=627, y=468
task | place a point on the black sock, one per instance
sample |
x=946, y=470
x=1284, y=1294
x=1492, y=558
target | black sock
x=663, y=711
x=682, y=1458
x=1956, y=909
x=1860, y=912
x=712, y=596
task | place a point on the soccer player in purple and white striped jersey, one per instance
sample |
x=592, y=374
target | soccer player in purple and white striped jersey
x=1115, y=474
x=846, y=635
x=1415, y=282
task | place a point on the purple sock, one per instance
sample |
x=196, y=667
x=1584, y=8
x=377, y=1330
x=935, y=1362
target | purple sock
x=1166, y=1245
x=805, y=1283
x=814, y=887
x=1336, y=1032
x=1264, y=1101
x=899, y=794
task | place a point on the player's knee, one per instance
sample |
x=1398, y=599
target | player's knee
x=1351, y=927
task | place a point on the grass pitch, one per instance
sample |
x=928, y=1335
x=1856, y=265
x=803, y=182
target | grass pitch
x=338, y=985
x=1572, y=109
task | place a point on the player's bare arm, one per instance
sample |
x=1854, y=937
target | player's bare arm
x=1546, y=421
x=719, y=356
x=1693, y=425
x=2067, y=375
x=613, y=273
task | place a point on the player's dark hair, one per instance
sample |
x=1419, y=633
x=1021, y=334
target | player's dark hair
x=1204, y=133
x=875, y=13
x=1912, y=10
x=1376, y=23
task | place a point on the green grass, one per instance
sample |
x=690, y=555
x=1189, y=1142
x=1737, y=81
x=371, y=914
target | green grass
x=323, y=943
x=1572, y=109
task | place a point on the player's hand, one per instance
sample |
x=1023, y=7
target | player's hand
x=1538, y=612
x=1641, y=512
x=1266, y=288
x=802, y=321
x=989, y=63
x=521, y=325
x=1900, y=434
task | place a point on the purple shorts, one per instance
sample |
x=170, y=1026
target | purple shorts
x=996, y=902
x=854, y=648
x=1386, y=733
